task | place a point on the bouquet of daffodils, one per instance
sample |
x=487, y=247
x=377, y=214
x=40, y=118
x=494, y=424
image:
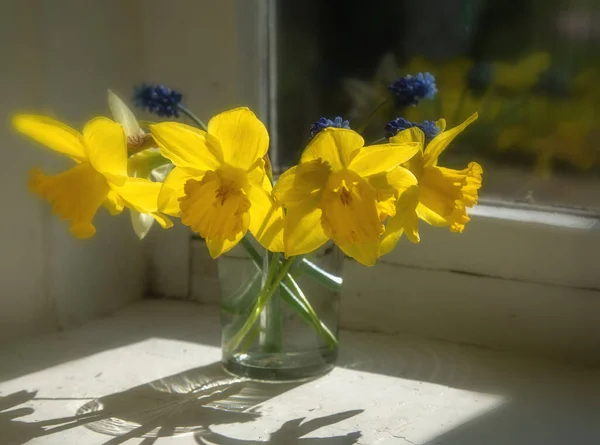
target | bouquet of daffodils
x=217, y=179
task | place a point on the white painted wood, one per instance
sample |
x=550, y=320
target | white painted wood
x=23, y=281
x=209, y=51
x=504, y=314
x=387, y=390
x=86, y=49
x=205, y=283
x=530, y=246
x=59, y=59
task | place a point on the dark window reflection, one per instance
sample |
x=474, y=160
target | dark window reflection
x=530, y=68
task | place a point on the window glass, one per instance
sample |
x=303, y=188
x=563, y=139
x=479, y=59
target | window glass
x=529, y=68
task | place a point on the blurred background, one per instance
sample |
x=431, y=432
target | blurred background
x=530, y=68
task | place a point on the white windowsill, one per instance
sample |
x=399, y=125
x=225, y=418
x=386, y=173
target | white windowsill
x=388, y=390
x=536, y=215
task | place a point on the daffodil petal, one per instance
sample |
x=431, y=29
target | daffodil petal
x=162, y=220
x=106, y=148
x=187, y=147
x=441, y=124
x=336, y=146
x=266, y=218
x=388, y=187
x=439, y=143
x=364, y=253
x=217, y=247
x=430, y=216
x=413, y=134
x=303, y=232
x=123, y=115
x=173, y=189
x=114, y=203
x=51, y=133
x=139, y=194
x=243, y=137
x=301, y=183
x=75, y=195
x=382, y=158
x=404, y=221
x=401, y=178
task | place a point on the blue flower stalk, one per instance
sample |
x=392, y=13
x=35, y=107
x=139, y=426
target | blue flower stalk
x=164, y=102
x=323, y=123
x=429, y=128
x=410, y=90
x=158, y=99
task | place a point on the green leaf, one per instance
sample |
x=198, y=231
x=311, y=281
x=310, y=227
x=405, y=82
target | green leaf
x=141, y=164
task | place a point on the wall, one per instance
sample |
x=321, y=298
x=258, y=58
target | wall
x=59, y=59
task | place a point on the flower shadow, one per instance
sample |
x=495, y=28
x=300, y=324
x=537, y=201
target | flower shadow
x=291, y=433
x=17, y=432
x=190, y=401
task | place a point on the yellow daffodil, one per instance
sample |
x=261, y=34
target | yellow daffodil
x=145, y=157
x=551, y=130
x=340, y=191
x=219, y=186
x=520, y=76
x=100, y=176
x=443, y=194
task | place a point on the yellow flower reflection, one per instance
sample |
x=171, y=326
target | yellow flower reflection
x=219, y=186
x=100, y=176
x=443, y=194
x=328, y=194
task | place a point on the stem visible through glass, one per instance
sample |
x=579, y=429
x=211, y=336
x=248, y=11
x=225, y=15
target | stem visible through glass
x=292, y=295
x=263, y=298
x=270, y=337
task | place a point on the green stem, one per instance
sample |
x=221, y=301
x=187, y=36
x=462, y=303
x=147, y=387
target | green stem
x=292, y=294
x=319, y=275
x=378, y=141
x=364, y=125
x=185, y=110
x=270, y=339
x=263, y=298
x=307, y=312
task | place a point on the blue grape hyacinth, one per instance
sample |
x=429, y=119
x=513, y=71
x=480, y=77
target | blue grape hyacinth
x=409, y=90
x=429, y=128
x=158, y=99
x=323, y=123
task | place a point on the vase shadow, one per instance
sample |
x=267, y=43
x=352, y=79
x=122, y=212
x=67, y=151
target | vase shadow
x=186, y=402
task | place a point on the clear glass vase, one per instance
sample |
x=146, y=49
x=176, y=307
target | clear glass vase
x=280, y=317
